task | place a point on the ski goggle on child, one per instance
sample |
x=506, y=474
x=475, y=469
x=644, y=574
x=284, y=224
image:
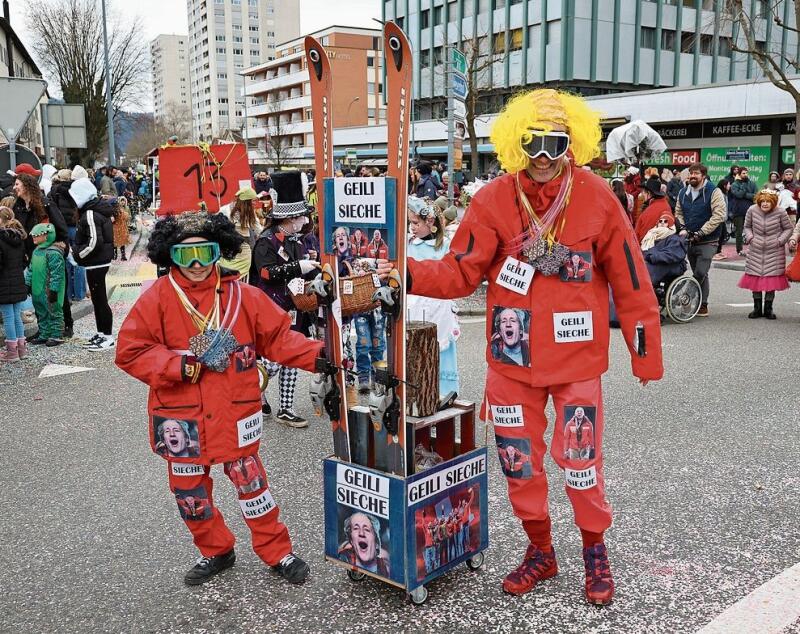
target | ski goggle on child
x=186, y=254
x=552, y=144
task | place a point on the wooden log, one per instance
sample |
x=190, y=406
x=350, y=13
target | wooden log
x=422, y=369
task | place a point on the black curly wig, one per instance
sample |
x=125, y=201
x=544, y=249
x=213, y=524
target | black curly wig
x=174, y=229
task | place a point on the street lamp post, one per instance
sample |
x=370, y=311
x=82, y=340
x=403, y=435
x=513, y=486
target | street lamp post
x=112, y=153
x=350, y=106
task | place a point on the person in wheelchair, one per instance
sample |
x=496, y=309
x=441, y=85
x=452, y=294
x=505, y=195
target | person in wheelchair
x=664, y=252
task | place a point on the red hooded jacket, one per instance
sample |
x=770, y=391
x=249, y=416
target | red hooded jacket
x=560, y=352
x=222, y=408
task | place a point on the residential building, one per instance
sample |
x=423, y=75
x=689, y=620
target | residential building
x=225, y=37
x=169, y=61
x=720, y=124
x=15, y=61
x=593, y=46
x=280, y=111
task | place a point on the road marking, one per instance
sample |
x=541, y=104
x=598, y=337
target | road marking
x=770, y=608
x=747, y=305
x=56, y=369
x=472, y=320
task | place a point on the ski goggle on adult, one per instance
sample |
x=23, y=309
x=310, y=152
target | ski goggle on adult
x=552, y=144
x=186, y=254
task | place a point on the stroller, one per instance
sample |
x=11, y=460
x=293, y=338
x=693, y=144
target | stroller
x=679, y=295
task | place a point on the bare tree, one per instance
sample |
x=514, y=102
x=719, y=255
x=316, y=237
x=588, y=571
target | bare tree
x=478, y=64
x=154, y=131
x=68, y=42
x=776, y=65
x=278, y=145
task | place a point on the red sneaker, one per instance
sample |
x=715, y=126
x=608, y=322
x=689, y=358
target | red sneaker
x=537, y=566
x=599, y=584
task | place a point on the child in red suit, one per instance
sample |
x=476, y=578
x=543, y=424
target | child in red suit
x=193, y=337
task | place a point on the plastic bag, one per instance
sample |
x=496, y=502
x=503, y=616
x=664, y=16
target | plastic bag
x=793, y=270
x=424, y=459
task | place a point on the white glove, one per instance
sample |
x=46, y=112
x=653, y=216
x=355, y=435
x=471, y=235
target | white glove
x=306, y=266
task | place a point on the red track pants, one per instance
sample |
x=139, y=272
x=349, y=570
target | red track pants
x=518, y=413
x=193, y=489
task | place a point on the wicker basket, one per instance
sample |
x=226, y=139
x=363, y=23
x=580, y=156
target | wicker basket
x=355, y=293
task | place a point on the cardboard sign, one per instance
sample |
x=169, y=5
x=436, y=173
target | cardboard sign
x=188, y=177
x=507, y=415
x=257, y=506
x=515, y=275
x=581, y=478
x=360, y=217
x=362, y=490
x=186, y=469
x=250, y=429
x=570, y=327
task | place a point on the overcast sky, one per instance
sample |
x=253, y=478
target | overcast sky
x=169, y=16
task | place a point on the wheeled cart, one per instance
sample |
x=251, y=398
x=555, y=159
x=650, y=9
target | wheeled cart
x=409, y=531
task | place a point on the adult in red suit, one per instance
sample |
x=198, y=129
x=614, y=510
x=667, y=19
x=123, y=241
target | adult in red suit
x=534, y=216
x=196, y=378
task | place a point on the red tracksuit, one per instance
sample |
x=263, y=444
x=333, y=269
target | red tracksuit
x=219, y=416
x=548, y=335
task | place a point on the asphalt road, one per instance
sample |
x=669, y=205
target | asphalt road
x=701, y=469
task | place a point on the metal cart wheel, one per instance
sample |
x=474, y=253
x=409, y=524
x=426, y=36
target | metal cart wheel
x=418, y=596
x=473, y=563
x=683, y=299
x=356, y=575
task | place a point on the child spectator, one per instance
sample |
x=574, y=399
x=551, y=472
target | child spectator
x=47, y=279
x=766, y=230
x=428, y=242
x=12, y=284
x=120, y=220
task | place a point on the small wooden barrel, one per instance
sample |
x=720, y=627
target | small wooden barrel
x=422, y=369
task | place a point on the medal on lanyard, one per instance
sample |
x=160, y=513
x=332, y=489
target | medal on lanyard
x=214, y=342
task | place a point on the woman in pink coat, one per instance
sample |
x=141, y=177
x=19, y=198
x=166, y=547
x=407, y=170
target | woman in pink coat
x=767, y=229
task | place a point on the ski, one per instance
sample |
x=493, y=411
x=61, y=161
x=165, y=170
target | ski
x=391, y=406
x=328, y=388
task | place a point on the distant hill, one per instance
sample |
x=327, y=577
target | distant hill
x=125, y=127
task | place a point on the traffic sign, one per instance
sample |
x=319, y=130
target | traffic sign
x=459, y=61
x=459, y=83
x=20, y=98
x=66, y=125
x=737, y=155
x=459, y=109
x=21, y=155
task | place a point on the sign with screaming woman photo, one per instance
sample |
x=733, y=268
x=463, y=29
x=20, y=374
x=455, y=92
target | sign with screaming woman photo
x=361, y=215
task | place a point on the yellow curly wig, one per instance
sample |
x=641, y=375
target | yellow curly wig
x=535, y=110
x=766, y=196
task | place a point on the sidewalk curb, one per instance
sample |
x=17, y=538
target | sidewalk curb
x=731, y=266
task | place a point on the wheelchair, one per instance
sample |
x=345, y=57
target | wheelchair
x=679, y=297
